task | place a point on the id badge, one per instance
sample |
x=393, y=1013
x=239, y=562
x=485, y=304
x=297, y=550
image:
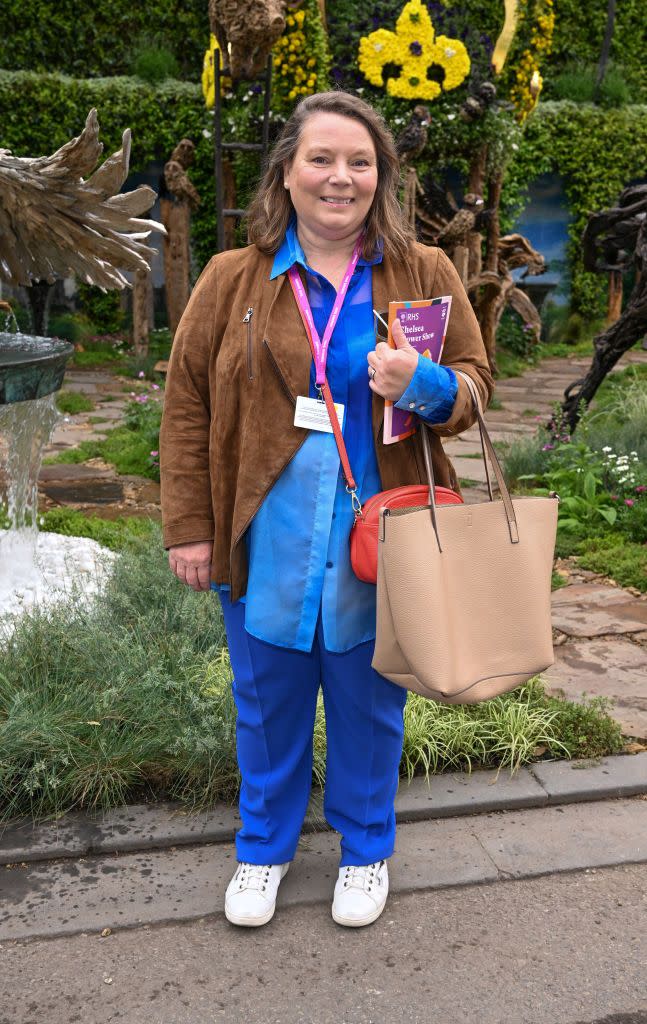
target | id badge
x=312, y=414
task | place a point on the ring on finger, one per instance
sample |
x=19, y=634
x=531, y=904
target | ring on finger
x=372, y=373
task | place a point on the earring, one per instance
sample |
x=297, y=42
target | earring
x=285, y=184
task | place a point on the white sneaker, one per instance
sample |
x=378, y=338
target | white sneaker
x=360, y=894
x=250, y=899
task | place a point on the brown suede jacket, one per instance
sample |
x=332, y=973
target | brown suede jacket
x=240, y=357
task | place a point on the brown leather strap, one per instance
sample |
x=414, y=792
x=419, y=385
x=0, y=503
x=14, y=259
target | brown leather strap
x=339, y=438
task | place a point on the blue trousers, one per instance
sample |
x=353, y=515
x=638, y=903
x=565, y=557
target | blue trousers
x=275, y=691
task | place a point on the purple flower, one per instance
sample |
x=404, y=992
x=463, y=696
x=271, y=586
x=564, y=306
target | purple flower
x=547, y=447
x=415, y=48
x=641, y=489
x=155, y=387
x=614, y=497
x=629, y=502
x=141, y=374
x=154, y=453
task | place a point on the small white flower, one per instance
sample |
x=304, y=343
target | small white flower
x=449, y=52
x=450, y=117
x=607, y=449
x=206, y=133
x=515, y=146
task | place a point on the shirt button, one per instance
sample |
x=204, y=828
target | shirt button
x=328, y=565
x=412, y=405
x=422, y=408
x=334, y=515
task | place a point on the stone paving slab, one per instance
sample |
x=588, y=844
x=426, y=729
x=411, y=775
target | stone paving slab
x=120, y=891
x=587, y=619
x=578, y=780
x=599, y=595
x=553, y=839
x=609, y=668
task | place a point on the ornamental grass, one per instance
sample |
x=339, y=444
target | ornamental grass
x=128, y=699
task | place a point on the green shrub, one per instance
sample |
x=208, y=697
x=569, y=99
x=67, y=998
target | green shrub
x=72, y=402
x=575, y=83
x=103, y=309
x=615, y=90
x=153, y=64
x=613, y=556
x=114, y=534
x=515, y=336
x=73, y=327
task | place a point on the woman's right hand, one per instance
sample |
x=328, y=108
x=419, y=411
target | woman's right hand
x=191, y=563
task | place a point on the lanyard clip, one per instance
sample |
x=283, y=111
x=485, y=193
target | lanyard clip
x=355, y=502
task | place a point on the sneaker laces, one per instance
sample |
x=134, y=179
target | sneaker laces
x=252, y=876
x=361, y=876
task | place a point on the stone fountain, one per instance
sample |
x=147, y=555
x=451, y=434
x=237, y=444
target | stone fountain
x=69, y=224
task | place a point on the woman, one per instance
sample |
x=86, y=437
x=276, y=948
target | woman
x=255, y=506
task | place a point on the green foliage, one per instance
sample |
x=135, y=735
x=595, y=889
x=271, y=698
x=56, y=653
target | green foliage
x=614, y=556
x=90, y=41
x=579, y=31
x=129, y=699
x=154, y=63
x=601, y=473
x=515, y=336
x=114, y=534
x=577, y=83
x=103, y=309
x=72, y=402
x=72, y=327
x=586, y=728
x=598, y=152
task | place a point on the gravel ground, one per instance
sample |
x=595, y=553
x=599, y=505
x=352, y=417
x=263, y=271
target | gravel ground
x=62, y=565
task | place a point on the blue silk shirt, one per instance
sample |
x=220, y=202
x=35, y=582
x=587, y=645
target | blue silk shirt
x=299, y=540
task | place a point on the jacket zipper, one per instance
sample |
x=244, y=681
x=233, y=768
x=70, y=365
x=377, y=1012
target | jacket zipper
x=247, y=319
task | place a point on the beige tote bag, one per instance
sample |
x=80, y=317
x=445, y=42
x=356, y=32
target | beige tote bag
x=463, y=591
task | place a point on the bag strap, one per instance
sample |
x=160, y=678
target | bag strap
x=487, y=447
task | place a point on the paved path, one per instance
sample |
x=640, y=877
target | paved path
x=472, y=937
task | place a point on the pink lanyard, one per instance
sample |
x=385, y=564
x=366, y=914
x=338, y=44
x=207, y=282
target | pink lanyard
x=320, y=346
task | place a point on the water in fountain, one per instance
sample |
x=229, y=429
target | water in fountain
x=25, y=428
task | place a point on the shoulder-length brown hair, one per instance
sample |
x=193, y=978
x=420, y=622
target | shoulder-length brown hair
x=271, y=208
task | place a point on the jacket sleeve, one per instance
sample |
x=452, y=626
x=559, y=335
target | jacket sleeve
x=187, y=513
x=463, y=350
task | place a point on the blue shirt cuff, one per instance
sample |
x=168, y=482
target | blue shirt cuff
x=431, y=392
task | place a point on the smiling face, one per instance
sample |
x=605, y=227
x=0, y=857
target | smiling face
x=333, y=176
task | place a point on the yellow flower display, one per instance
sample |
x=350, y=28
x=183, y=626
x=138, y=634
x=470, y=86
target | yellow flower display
x=294, y=73
x=208, y=74
x=528, y=81
x=415, y=47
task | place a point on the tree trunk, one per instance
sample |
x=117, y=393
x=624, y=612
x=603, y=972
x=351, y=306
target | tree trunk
x=476, y=184
x=606, y=48
x=614, y=307
x=490, y=303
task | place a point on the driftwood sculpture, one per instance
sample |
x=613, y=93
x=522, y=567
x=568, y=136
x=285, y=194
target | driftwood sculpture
x=246, y=33
x=492, y=291
x=409, y=144
x=614, y=240
x=55, y=221
x=178, y=198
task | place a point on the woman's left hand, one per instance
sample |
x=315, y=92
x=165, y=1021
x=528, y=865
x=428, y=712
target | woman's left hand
x=394, y=367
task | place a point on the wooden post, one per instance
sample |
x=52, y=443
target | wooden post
x=142, y=288
x=476, y=185
x=177, y=258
